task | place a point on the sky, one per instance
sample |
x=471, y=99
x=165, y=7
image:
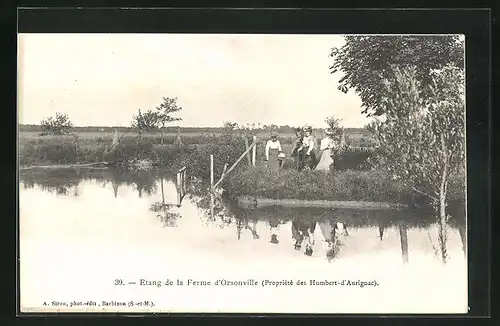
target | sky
x=103, y=79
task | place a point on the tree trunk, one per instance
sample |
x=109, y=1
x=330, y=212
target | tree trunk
x=442, y=237
x=161, y=135
x=137, y=143
x=162, y=192
x=403, y=235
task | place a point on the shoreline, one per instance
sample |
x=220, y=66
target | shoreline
x=259, y=202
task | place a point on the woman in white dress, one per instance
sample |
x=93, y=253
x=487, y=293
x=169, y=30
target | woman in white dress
x=273, y=149
x=332, y=230
x=327, y=145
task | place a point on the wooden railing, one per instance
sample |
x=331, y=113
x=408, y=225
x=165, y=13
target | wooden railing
x=226, y=171
x=181, y=185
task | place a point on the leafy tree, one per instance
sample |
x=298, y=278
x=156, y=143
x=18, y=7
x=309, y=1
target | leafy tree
x=164, y=111
x=229, y=128
x=58, y=125
x=146, y=122
x=366, y=62
x=334, y=126
x=422, y=140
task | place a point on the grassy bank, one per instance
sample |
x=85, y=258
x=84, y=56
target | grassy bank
x=348, y=185
x=313, y=185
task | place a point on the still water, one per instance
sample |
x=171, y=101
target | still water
x=81, y=230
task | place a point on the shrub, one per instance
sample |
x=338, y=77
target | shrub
x=353, y=159
x=56, y=152
x=226, y=150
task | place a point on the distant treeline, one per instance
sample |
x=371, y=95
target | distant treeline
x=280, y=129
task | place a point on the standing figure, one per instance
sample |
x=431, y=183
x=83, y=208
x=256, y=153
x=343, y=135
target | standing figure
x=244, y=224
x=302, y=232
x=332, y=229
x=308, y=145
x=297, y=153
x=274, y=225
x=273, y=149
x=327, y=145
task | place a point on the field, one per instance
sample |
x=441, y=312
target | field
x=92, y=137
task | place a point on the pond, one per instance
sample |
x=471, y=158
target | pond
x=84, y=231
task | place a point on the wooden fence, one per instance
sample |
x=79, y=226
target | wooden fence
x=181, y=185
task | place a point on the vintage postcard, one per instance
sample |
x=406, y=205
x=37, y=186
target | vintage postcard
x=242, y=173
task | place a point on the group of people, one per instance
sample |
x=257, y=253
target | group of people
x=304, y=150
x=302, y=232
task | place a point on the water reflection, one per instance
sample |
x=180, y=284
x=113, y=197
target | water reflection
x=166, y=212
x=61, y=181
x=314, y=232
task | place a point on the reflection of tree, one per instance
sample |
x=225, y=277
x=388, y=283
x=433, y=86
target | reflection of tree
x=61, y=180
x=144, y=182
x=441, y=250
x=463, y=237
x=403, y=235
x=442, y=240
x=56, y=181
x=457, y=220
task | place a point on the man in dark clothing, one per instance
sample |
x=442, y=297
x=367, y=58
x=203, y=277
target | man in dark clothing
x=303, y=229
x=308, y=147
x=297, y=153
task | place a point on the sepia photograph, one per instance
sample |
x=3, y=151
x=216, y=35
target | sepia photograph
x=242, y=173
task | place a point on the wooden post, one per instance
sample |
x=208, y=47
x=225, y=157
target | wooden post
x=248, y=154
x=254, y=150
x=235, y=163
x=178, y=188
x=212, y=186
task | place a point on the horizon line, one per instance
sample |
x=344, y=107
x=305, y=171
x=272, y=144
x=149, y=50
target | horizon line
x=176, y=126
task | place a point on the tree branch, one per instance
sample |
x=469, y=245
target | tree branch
x=424, y=193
